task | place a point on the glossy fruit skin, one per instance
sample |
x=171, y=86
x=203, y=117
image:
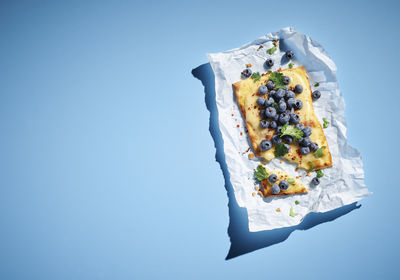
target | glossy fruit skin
x=272, y=178
x=304, y=150
x=279, y=129
x=307, y=131
x=247, y=72
x=265, y=145
x=280, y=93
x=269, y=62
x=284, y=118
x=270, y=112
x=276, y=139
x=283, y=185
x=270, y=85
x=262, y=90
x=304, y=142
x=272, y=93
x=264, y=124
x=298, y=89
x=316, y=95
x=261, y=101
x=273, y=125
x=289, y=54
x=286, y=80
x=313, y=146
x=300, y=126
x=290, y=103
x=315, y=181
x=298, y=104
x=288, y=139
x=289, y=94
x=294, y=118
x=281, y=106
x=275, y=189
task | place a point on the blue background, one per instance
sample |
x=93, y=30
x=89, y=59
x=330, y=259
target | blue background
x=107, y=166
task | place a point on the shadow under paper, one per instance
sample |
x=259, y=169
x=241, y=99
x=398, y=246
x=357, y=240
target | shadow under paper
x=242, y=240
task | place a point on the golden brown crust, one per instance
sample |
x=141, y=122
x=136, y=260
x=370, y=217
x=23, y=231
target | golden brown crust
x=246, y=92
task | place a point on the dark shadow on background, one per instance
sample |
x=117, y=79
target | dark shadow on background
x=242, y=240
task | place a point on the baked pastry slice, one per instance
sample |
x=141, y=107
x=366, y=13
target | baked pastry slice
x=247, y=93
x=283, y=182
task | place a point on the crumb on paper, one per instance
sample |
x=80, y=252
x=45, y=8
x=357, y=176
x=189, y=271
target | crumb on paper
x=251, y=156
x=297, y=177
x=275, y=43
x=278, y=209
x=308, y=174
x=253, y=194
x=260, y=193
x=249, y=65
x=297, y=169
x=257, y=188
x=260, y=47
x=280, y=161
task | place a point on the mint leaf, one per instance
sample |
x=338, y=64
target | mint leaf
x=312, y=165
x=256, y=76
x=297, y=202
x=271, y=50
x=290, y=65
x=320, y=174
x=281, y=150
x=319, y=153
x=292, y=214
x=316, y=84
x=326, y=123
x=291, y=131
x=277, y=78
x=291, y=181
x=261, y=173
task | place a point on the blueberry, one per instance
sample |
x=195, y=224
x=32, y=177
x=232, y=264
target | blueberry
x=284, y=118
x=298, y=104
x=276, y=140
x=278, y=129
x=262, y=90
x=300, y=126
x=270, y=101
x=294, y=118
x=316, y=95
x=269, y=62
x=298, y=89
x=283, y=185
x=261, y=101
x=306, y=131
x=247, y=72
x=270, y=112
x=272, y=124
x=286, y=80
x=313, y=146
x=280, y=93
x=305, y=141
x=275, y=189
x=275, y=118
x=289, y=94
x=264, y=124
x=270, y=85
x=304, y=150
x=272, y=178
x=272, y=93
x=265, y=145
x=289, y=54
x=315, y=181
x=281, y=106
x=290, y=103
x=288, y=139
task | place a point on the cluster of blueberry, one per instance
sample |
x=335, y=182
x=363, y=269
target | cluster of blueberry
x=278, y=110
x=276, y=188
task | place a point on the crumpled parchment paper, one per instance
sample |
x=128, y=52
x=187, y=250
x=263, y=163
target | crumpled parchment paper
x=342, y=184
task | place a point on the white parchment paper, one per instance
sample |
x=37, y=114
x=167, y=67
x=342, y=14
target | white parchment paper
x=342, y=184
